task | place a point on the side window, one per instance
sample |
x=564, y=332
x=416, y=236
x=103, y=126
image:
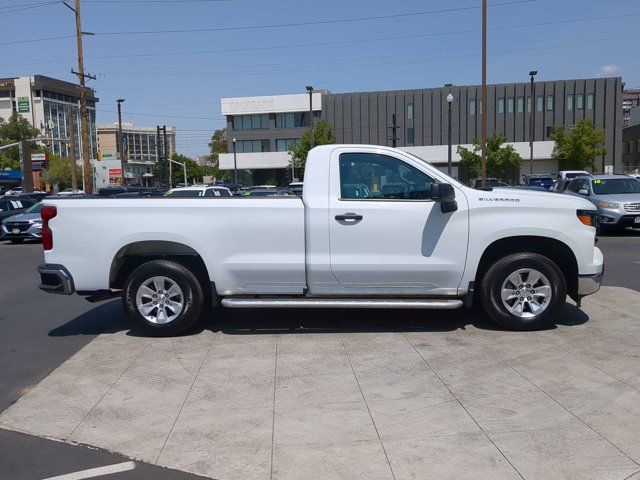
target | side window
x=375, y=176
x=574, y=186
x=209, y=192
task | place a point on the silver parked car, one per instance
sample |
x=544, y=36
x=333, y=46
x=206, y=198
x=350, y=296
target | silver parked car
x=616, y=196
x=26, y=225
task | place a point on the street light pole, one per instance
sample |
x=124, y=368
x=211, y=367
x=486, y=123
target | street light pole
x=532, y=120
x=449, y=167
x=119, y=143
x=483, y=105
x=310, y=90
x=235, y=163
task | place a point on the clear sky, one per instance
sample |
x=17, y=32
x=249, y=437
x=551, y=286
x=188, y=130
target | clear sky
x=178, y=78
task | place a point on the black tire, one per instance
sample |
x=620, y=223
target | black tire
x=192, y=296
x=495, y=277
x=16, y=240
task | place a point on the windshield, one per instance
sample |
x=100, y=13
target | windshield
x=184, y=193
x=575, y=174
x=540, y=181
x=602, y=186
x=35, y=208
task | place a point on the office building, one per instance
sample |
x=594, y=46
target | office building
x=140, y=149
x=630, y=101
x=631, y=149
x=421, y=117
x=44, y=102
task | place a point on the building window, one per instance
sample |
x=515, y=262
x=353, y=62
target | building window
x=528, y=103
x=472, y=107
x=410, y=111
x=510, y=105
x=410, y=138
x=520, y=104
x=501, y=105
x=570, y=102
x=629, y=147
x=286, y=144
x=549, y=102
x=480, y=106
x=250, y=122
x=580, y=101
x=590, y=101
x=539, y=103
x=251, y=146
x=292, y=119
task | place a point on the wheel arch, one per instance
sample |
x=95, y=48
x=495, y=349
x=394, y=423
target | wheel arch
x=134, y=254
x=555, y=250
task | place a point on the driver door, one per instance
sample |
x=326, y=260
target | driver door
x=387, y=236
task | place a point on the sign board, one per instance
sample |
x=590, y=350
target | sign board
x=38, y=157
x=23, y=104
x=608, y=169
x=115, y=172
x=107, y=155
x=37, y=165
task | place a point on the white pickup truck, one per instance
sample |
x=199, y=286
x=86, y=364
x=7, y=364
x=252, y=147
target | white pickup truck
x=376, y=227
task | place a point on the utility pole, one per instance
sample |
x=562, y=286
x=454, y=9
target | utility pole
x=84, y=128
x=532, y=120
x=310, y=90
x=120, y=140
x=393, y=129
x=166, y=154
x=483, y=105
x=27, y=169
x=71, y=149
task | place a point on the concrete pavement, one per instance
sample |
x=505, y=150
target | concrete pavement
x=446, y=398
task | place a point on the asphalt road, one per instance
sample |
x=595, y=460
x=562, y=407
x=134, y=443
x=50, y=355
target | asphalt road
x=39, y=331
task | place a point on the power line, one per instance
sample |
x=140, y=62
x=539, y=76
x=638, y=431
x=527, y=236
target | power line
x=25, y=6
x=315, y=22
x=280, y=25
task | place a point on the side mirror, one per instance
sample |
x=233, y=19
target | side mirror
x=584, y=192
x=446, y=195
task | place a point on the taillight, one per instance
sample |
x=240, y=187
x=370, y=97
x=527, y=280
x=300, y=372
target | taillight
x=47, y=213
x=587, y=217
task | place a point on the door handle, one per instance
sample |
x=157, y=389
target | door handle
x=349, y=216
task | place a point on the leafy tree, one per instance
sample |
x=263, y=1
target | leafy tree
x=501, y=159
x=322, y=135
x=15, y=129
x=194, y=172
x=217, y=146
x=578, y=148
x=58, y=171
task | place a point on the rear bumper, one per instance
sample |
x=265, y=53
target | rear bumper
x=55, y=279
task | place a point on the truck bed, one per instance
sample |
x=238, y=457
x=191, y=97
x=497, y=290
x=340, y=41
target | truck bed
x=249, y=245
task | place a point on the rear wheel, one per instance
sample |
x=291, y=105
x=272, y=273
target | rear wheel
x=163, y=297
x=523, y=291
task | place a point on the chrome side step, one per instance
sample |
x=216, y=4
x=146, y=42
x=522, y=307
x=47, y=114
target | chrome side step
x=247, y=302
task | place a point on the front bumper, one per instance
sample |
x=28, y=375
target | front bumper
x=55, y=279
x=589, y=284
x=21, y=230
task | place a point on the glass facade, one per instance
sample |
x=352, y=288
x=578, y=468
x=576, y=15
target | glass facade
x=286, y=144
x=292, y=119
x=251, y=122
x=56, y=123
x=250, y=146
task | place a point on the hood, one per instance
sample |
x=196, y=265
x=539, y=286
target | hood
x=23, y=217
x=619, y=197
x=541, y=198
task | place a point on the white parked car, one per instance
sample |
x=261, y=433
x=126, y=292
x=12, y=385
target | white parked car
x=376, y=227
x=569, y=174
x=199, y=191
x=70, y=191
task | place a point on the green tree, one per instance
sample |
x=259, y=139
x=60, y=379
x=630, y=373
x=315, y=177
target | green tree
x=58, y=171
x=578, y=148
x=322, y=135
x=501, y=159
x=15, y=129
x=194, y=172
x=217, y=146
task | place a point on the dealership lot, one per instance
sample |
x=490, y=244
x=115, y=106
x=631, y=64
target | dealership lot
x=336, y=394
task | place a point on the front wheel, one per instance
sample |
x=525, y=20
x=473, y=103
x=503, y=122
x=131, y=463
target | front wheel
x=523, y=291
x=163, y=297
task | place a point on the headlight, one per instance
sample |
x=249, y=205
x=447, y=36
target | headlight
x=604, y=204
x=37, y=223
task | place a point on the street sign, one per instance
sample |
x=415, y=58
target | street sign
x=38, y=157
x=37, y=165
x=115, y=172
x=23, y=104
